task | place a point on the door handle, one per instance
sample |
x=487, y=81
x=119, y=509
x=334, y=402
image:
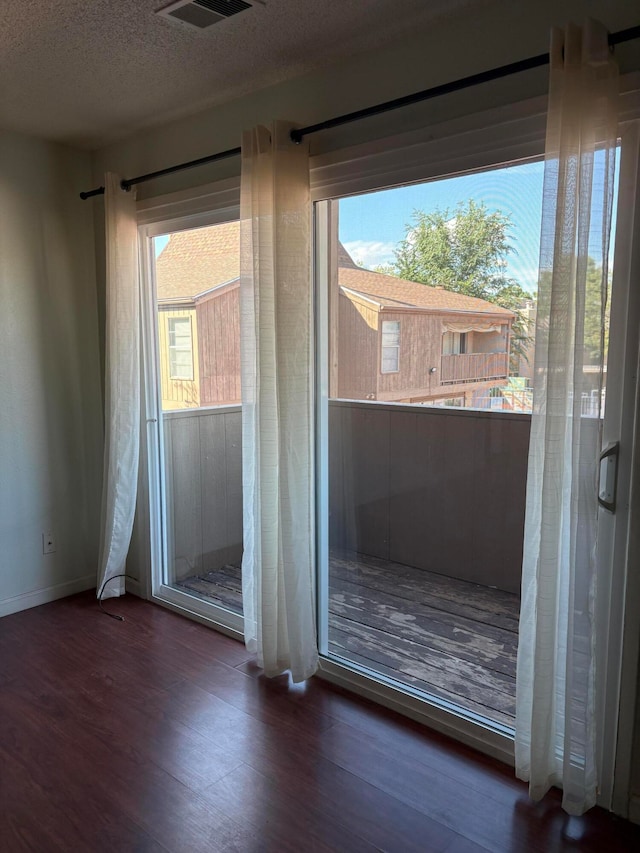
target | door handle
x=608, y=481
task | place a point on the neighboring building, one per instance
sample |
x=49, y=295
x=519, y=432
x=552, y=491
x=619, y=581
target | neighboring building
x=398, y=340
x=526, y=360
x=197, y=286
x=404, y=341
x=518, y=394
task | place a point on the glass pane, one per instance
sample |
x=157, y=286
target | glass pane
x=389, y=359
x=390, y=339
x=198, y=323
x=390, y=333
x=181, y=363
x=180, y=332
x=448, y=343
x=428, y=440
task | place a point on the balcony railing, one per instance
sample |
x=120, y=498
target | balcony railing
x=203, y=488
x=436, y=489
x=441, y=490
x=474, y=367
x=426, y=517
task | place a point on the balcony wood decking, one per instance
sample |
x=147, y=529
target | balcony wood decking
x=453, y=639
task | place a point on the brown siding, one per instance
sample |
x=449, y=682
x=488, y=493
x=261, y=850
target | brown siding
x=487, y=341
x=219, y=348
x=420, y=346
x=358, y=349
x=360, y=354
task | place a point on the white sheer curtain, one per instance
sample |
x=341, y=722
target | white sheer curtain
x=122, y=385
x=277, y=432
x=555, y=695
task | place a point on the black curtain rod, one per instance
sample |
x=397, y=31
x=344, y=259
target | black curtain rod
x=426, y=94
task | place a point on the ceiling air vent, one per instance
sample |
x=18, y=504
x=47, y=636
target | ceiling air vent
x=200, y=14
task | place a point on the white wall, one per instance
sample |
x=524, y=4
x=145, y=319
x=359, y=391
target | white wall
x=50, y=391
x=494, y=34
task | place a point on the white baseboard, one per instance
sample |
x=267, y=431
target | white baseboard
x=45, y=595
x=634, y=808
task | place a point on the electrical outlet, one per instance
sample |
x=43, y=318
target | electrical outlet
x=48, y=543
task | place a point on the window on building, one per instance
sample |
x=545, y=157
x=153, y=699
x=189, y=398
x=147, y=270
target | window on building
x=180, y=348
x=390, y=361
x=454, y=343
x=449, y=403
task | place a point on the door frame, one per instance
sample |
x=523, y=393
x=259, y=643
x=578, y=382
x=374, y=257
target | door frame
x=209, y=205
x=619, y=670
x=473, y=143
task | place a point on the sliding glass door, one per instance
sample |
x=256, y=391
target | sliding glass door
x=194, y=335
x=426, y=353
x=429, y=353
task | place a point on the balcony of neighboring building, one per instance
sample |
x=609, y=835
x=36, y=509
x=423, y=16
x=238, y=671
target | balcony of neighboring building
x=474, y=357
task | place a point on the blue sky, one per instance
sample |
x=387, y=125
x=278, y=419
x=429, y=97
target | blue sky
x=372, y=225
x=159, y=243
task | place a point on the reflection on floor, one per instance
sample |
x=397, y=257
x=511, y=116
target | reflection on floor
x=450, y=638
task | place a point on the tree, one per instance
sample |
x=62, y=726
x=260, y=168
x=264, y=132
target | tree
x=596, y=318
x=593, y=317
x=466, y=251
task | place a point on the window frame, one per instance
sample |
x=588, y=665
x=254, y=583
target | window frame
x=207, y=205
x=459, y=343
x=174, y=349
x=386, y=347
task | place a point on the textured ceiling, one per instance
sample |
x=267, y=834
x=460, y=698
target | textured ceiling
x=87, y=72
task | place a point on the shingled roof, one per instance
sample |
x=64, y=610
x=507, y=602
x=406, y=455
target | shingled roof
x=196, y=261
x=387, y=291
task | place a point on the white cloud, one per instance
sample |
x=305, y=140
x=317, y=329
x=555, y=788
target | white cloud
x=370, y=253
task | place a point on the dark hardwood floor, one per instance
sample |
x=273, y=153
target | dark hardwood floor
x=440, y=635
x=158, y=734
